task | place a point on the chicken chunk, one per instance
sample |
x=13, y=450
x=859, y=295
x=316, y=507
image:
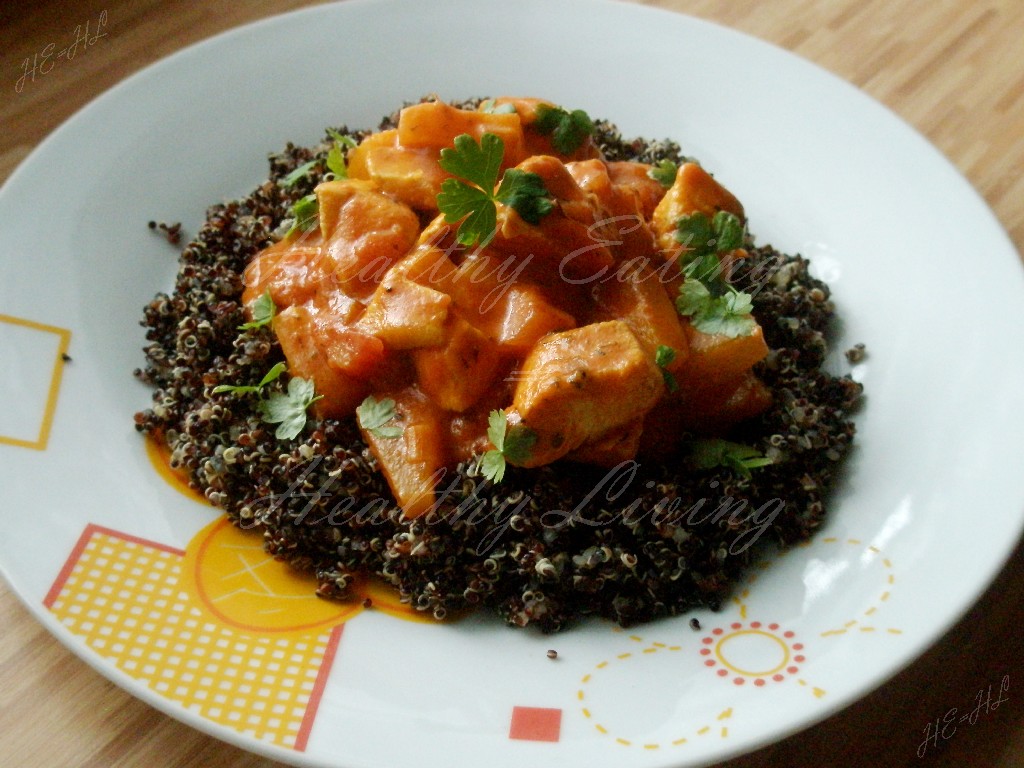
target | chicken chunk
x=578, y=385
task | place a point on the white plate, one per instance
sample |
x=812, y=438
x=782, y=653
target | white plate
x=930, y=507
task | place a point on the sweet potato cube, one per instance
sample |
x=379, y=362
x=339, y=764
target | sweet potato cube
x=291, y=270
x=411, y=176
x=304, y=350
x=413, y=462
x=715, y=358
x=406, y=315
x=526, y=317
x=578, y=385
x=365, y=231
x=694, y=190
x=717, y=411
x=435, y=124
x=458, y=372
x=634, y=179
x=638, y=297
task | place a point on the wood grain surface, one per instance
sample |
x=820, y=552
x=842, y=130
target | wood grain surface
x=954, y=69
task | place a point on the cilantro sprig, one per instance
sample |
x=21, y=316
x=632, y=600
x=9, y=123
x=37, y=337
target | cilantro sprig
x=702, y=236
x=710, y=302
x=305, y=212
x=728, y=314
x=664, y=173
x=568, y=130
x=664, y=356
x=374, y=415
x=471, y=197
x=263, y=311
x=713, y=453
x=335, y=160
x=511, y=444
x=288, y=409
x=248, y=389
x=336, y=156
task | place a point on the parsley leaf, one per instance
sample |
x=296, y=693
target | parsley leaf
x=712, y=453
x=526, y=193
x=512, y=444
x=472, y=199
x=568, y=129
x=701, y=235
x=305, y=210
x=288, y=410
x=476, y=163
x=728, y=314
x=664, y=356
x=336, y=155
x=301, y=172
x=728, y=231
x=664, y=173
x=374, y=414
x=270, y=376
x=712, y=305
x=263, y=311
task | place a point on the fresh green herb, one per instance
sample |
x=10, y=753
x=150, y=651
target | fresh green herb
x=336, y=156
x=728, y=314
x=272, y=375
x=288, y=410
x=471, y=197
x=305, y=211
x=374, y=415
x=713, y=453
x=568, y=129
x=263, y=311
x=710, y=302
x=510, y=444
x=299, y=173
x=703, y=236
x=664, y=173
x=664, y=356
x=490, y=107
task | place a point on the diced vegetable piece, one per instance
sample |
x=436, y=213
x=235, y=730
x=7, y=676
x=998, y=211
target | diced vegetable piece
x=527, y=316
x=578, y=385
x=457, y=373
x=611, y=448
x=365, y=232
x=721, y=411
x=413, y=462
x=435, y=125
x=633, y=179
x=406, y=315
x=694, y=190
x=291, y=270
x=412, y=176
x=428, y=266
x=640, y=300
x=307, y=358
x=570, y=235
x=716, y=359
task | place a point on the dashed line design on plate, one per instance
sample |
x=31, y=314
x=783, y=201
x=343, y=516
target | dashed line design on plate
x=601, y=725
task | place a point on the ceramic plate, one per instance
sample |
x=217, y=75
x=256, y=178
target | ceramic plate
x=140, y=581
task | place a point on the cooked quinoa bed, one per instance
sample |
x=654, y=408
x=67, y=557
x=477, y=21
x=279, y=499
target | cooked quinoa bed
x=544, y=547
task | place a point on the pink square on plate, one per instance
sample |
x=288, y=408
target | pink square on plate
x=535, y=724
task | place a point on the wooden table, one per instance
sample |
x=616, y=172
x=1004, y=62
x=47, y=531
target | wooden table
x=953, y=68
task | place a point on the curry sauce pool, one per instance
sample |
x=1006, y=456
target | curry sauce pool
x=631, y=541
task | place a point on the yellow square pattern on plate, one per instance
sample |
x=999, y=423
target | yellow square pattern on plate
x=123, y=597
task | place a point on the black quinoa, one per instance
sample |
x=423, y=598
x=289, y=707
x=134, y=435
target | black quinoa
x=517, y=548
